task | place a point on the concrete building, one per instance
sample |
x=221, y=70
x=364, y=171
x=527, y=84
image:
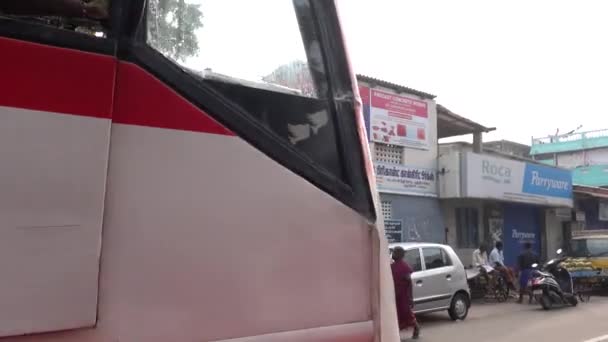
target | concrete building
x=491, y=196
x=404, y=126
x=509, y=148
x=585, y=153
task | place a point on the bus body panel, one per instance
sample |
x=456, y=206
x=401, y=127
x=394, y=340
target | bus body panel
x=54, y=142
x=204, y=237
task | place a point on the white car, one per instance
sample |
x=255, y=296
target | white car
x=439, y=279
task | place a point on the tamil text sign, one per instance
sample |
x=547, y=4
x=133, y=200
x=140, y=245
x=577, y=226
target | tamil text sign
x=393, y=230
x=400, y=179
x=511, y=180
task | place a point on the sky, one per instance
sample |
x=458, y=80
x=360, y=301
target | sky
x=527, y=68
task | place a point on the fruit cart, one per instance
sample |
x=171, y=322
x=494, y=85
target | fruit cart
x=586, y=280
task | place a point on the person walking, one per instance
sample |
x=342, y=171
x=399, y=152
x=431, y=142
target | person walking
x=524, y=263
x=404, y=296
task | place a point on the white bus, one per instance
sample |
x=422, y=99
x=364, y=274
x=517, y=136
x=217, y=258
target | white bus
x=143, y=201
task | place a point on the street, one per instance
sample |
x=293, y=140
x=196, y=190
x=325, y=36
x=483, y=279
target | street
x=516, y=322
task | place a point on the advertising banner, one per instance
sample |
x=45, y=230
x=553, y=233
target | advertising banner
x=364, y=92
x=400, y=179
x=393, y=230
x=511, y=180
x=521, y=225
x=398, y=120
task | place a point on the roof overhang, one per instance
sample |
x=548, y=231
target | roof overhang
x=590, y=191
x=450, y=124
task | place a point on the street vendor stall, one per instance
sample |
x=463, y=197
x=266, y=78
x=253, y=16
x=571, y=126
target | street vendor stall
x=588, y=262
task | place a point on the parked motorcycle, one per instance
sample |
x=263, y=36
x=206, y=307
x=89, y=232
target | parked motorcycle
x=552, y=285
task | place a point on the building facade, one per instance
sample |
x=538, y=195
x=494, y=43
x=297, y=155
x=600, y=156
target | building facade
x=585, y=153
x=402, y=131
x=488, y=197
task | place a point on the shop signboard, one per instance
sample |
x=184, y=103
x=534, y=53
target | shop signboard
x=393, y=230
x=364, y=92
x=396, y=119
x=407, y=180
x=521, y=225
x=516, y=181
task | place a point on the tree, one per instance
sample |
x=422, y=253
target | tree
x=172, y=26
x=295, y=75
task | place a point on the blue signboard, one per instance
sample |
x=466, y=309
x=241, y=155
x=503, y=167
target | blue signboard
x=547, y=181
x=521, y=225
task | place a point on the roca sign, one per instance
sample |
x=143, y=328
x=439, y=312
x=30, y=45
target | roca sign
x=511, y=180
x=495, y=171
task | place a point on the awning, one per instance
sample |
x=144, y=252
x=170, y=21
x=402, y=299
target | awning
x=450, y=124
x=590, y=191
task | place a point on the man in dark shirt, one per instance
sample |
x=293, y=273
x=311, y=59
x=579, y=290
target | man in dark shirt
x=524, y=262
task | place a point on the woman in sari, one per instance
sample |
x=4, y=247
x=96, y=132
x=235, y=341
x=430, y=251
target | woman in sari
x=402, y=277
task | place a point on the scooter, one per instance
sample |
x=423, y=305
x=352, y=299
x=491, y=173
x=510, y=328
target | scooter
x=553, y=284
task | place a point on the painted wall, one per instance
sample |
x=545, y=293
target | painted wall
x=554, y=233
x=421, y=216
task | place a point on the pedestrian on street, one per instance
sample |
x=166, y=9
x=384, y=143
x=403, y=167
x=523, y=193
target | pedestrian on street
x=524, y=262
x=402, y=278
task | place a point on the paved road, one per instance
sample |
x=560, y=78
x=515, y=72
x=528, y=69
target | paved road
x=514, y=322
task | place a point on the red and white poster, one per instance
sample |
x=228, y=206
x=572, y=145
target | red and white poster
x=398, y=120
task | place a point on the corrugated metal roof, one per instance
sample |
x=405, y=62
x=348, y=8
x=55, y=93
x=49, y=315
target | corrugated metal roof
x=450, y=124
x=397, y=87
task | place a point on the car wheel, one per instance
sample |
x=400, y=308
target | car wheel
x=459, y=309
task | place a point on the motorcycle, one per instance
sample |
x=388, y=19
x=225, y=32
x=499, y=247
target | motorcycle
x=552, y=285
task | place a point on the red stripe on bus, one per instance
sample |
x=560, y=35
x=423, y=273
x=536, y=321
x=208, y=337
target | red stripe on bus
x=46, y=78
x=143, y=100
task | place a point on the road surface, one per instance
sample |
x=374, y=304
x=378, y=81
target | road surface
x=510, y=322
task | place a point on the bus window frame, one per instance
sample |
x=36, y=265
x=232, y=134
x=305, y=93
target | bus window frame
x=15, y=28
x=127, y=41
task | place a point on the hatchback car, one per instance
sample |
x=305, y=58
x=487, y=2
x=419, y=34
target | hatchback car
x=439, y=279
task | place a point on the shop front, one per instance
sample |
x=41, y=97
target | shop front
x=512, y=196
x=409, y=203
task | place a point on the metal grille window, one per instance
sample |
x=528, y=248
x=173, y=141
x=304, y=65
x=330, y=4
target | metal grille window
x=388, y=153
x=387, y=210
x=467, y=225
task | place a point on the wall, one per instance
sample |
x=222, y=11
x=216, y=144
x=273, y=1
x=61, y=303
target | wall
x=420, y=215
x=448, y=182
x=554, y=233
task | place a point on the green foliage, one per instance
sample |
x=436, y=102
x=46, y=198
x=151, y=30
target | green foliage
x=172, y=26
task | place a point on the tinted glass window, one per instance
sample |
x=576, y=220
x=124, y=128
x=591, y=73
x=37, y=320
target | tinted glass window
x=264, y=56
x=412, y=257
x=435, y=257
x=589, y=247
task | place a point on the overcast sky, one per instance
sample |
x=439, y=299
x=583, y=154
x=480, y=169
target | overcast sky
x=524, y=67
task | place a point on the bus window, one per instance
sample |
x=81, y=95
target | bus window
x=262, y=55
x=76, y=15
